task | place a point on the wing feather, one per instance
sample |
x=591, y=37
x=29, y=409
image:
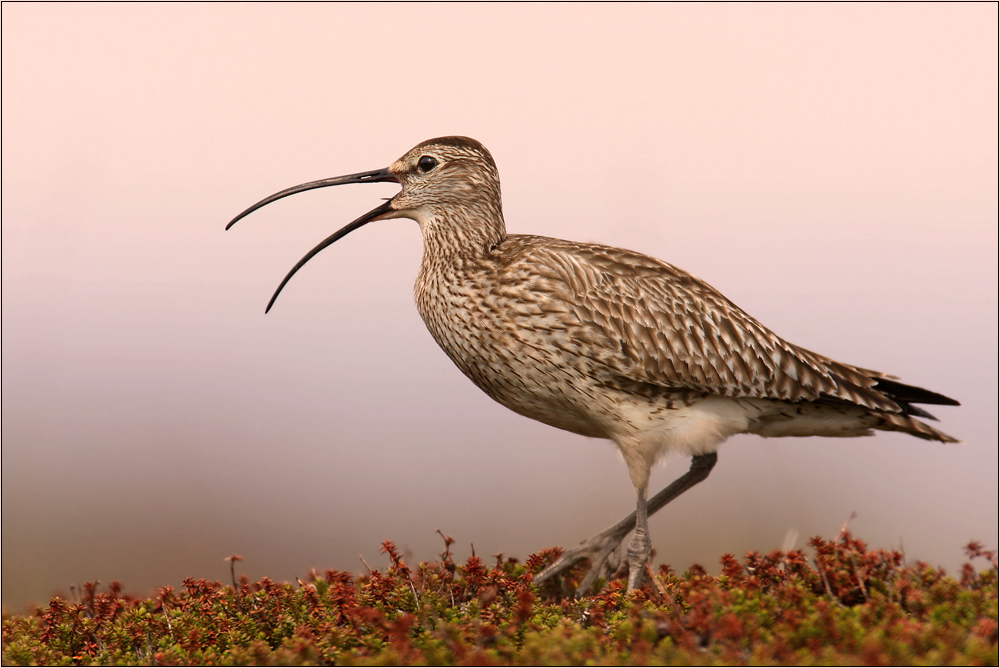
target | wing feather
x=657, y=324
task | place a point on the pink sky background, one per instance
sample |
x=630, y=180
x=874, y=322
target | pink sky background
x=830, y=168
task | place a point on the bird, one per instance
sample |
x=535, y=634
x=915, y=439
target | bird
x=608, y=343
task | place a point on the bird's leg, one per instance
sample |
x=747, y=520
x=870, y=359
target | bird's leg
x=601, y=546
x=640, y=547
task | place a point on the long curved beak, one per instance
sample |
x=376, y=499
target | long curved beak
x=380, y=175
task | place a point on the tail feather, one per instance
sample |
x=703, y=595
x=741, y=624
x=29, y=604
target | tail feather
x=912, y=426
x=906, y=396
x=885, y=389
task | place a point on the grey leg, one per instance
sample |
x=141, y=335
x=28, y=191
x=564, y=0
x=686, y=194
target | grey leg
x=640, y=547
x=602, y=546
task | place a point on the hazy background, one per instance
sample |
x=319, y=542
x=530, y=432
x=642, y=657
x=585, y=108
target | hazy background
x=830, y=168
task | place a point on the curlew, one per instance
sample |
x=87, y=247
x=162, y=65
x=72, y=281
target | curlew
x=609, y=343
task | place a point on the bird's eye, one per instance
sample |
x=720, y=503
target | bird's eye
x=426, y=163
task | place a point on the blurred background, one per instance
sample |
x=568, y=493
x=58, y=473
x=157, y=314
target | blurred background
x=830, y=168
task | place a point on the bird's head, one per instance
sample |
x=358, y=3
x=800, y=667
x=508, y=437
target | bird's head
x=450, y=186
x=444, y=176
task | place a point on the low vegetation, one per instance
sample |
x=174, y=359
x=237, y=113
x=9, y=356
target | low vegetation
x=844, y=604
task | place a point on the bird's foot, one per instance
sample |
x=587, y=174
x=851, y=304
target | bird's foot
x=603, y=551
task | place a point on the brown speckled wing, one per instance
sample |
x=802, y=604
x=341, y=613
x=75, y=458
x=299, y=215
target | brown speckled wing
x=657, y=324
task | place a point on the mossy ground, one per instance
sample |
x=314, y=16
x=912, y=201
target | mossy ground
x=847, y=605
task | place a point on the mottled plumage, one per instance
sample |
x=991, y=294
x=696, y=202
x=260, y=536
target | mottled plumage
x=610, y=343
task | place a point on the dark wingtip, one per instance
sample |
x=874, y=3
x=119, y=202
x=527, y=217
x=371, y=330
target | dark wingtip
x=911, y=394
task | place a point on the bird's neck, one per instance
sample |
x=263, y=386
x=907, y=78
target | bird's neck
x=470, y=232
